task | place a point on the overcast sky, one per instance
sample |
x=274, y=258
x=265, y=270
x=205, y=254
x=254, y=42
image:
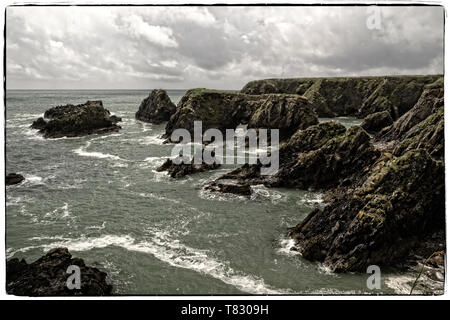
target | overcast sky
x=214, y=47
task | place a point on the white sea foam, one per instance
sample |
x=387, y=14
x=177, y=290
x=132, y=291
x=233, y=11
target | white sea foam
x=172, y=252
x=82, y=152
x=286, y=245
x=32, y=134
x=260, y=191
x=34, y=180
x=313, y=200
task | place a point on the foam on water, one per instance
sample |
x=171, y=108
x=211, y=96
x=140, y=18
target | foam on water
x=286, y=246
x=176, y=254
x=82, y=152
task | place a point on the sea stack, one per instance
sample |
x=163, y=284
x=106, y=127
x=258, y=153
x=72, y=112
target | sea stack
x=76, y=120
x=156, y=108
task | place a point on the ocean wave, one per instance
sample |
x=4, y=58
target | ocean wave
x=286, y=245
x=32, y=134
x=176, y=254
x=260, y=191
x=81, y=151
x=311, y=200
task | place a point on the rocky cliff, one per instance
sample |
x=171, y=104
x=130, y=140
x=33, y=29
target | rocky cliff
x=357, y=96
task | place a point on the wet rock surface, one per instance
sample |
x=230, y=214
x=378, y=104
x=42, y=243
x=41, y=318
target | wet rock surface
x=48, y=275
x=156, y=108
x=183, y=169
x=76, y=120
x=13, y=178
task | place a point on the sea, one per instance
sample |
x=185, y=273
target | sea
x=101, y=197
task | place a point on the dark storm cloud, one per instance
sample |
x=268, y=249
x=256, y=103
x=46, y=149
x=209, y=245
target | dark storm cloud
x=221, y=47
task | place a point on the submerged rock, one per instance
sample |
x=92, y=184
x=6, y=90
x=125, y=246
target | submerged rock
x=373, y=123
x=156, y=108
x=13, y=178
x=76, y=120
x=48, y=275
x=380, y=222
x=183, y=169
x=239, y=189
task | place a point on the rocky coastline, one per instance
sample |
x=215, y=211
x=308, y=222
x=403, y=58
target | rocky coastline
x=383, y=180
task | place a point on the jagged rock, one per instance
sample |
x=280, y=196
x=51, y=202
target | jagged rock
x=239, y=189
x=428, y=134
x=356, y=96
x=215, y=109
x=183, y=169
x=76, y=120
x=48, y=275
x=373, y=123
x=156, y=108
x=381, y=221
x=39, y=124
x=341, y=158
x=13, y=178
x=430, y=101
x=311, y=138
x=287, y=113
x=115, y=119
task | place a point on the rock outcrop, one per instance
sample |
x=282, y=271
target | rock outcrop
x=156, y=108
x=322, y=156
x=76, y=120
x=226, y=110
x=13, y=178
x=394, y=208
x=287, y=113
x=377, y=121
x=48, y=275
x=183, y=169
x=215, y=109
x=382, y=221
x=237, y=189
x=357, y=96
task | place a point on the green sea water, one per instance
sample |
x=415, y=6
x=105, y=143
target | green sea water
x=101, y=197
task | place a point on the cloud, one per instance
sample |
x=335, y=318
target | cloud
x=219, y=47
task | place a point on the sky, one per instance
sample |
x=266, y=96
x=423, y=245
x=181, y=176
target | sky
x=215, y=47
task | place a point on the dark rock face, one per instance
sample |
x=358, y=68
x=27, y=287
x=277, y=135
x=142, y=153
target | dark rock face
x=288, y=113
x=216, y=109
x=239, y=189
x=373, y=123
x=156, y=108
x=76, y=120
x=341, y=158
x=382, y=220
x=47, y=276
x=395, y=207
x=13, y=178
x=430, y=101
x=359, y=96
x=183, y=169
